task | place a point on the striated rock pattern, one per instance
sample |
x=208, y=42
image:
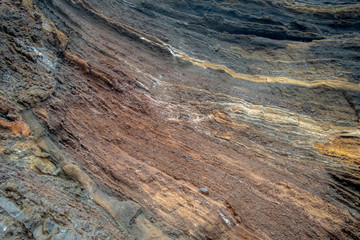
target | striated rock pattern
x=179, y=119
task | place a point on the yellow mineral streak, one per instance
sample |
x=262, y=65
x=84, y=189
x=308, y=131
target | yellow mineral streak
x=342, y=148
x=337, y=83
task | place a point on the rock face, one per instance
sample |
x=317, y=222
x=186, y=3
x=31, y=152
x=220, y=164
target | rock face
x=179, y=119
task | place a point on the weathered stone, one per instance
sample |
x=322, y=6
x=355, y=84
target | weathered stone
x=80, y=176
x=204, y=191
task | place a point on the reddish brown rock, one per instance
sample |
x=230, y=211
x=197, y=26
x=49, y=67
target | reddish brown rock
x=16, y=127
x=127, y=126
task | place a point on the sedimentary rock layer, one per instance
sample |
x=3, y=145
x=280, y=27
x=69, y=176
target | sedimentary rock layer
x=179, y=119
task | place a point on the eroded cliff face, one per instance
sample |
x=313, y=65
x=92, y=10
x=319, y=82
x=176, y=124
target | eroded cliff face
x=179, y=119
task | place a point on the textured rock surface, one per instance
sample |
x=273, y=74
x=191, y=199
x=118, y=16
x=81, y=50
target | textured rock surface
x=115, y=114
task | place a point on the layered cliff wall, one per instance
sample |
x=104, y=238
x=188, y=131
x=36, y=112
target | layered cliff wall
x=180, y=119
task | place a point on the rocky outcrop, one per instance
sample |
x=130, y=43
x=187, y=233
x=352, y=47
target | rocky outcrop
x=179, y=120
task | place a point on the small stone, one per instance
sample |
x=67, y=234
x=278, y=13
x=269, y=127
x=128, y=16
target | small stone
x=204, y=191
x=12, y=116
x=7, y=151
x=238, y=219
x=38, y=233
x=42, y=154
x=37, y=16
x=49, y=226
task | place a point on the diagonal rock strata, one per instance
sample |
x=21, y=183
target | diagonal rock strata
x=136, y=106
